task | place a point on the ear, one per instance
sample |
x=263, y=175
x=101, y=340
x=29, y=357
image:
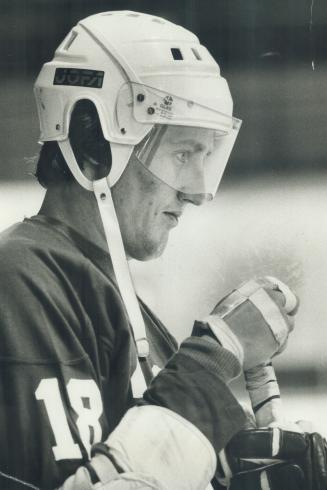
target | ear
x=91, y=149
x=96, y=164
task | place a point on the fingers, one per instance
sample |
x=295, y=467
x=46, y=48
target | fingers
x=272, y=443
x=291, y=304
x=286, y=476
x=319, y=461
x=299, y=459
x=284, y=298
x=278, y=476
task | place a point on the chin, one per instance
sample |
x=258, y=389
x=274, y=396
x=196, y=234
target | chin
x=149, y=250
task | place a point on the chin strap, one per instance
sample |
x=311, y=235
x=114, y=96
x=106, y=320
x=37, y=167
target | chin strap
x=123, y=277
x=116, y=249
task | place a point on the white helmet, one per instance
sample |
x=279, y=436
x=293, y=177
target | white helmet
x=138, y=70
x=142, y=73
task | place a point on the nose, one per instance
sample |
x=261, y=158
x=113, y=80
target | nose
x=196, y=199
x=193, y=189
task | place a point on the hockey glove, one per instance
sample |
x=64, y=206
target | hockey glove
x=274, y=459
x=254, y=321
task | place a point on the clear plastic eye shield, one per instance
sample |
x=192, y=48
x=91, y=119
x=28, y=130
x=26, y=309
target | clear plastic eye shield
x=189, y=145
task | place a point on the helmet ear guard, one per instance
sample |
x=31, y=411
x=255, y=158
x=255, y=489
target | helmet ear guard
x=86, y=149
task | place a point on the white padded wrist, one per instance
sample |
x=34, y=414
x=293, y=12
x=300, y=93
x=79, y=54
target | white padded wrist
x=225, y=336
x=156, y=441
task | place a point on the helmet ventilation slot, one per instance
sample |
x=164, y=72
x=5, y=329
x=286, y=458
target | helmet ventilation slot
x=196, y=54
x=71, y=40
x=177, y=54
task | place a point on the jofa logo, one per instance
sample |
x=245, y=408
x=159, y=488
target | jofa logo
x=78, y=78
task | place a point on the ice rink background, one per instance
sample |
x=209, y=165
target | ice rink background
x=274, y=227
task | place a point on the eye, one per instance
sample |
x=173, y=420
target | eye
x=183, y=156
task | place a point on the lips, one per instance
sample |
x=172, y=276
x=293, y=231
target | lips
x=173, y=216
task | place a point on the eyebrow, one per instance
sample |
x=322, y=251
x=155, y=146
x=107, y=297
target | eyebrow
x=195, y=145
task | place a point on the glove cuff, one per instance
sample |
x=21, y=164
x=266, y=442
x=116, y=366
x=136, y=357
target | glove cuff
x=225, y=336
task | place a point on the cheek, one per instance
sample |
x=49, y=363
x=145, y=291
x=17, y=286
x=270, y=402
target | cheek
x=148, y=187
x=139, y=200
x=146, y=215
x=147, y=184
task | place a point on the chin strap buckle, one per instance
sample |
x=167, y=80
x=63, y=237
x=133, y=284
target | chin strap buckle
x=143, y=348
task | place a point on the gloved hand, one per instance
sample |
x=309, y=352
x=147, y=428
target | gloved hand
x=254, y=320
x=274, y=459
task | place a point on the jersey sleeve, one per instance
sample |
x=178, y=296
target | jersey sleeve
x=194, y=384
x=51, y=408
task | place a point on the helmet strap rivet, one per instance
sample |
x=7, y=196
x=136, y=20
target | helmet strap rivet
x=140, y=97
x=123, y=131
x=57, y=127
x=150, y=110
x=103, y=196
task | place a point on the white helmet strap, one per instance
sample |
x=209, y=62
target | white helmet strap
x=119, y=152
x=123, y=277
x=114, y=240
x=68, y=154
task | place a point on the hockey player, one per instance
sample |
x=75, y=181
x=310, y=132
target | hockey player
x=136, y=123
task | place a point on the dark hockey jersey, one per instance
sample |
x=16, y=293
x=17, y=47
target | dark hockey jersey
x=67, y=354
x=66, y=350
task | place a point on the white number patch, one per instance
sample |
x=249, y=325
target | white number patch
x=85, y=399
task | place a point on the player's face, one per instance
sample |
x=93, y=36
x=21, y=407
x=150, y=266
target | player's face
x=147, y=208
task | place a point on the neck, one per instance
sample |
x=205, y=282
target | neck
x=77, y=208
